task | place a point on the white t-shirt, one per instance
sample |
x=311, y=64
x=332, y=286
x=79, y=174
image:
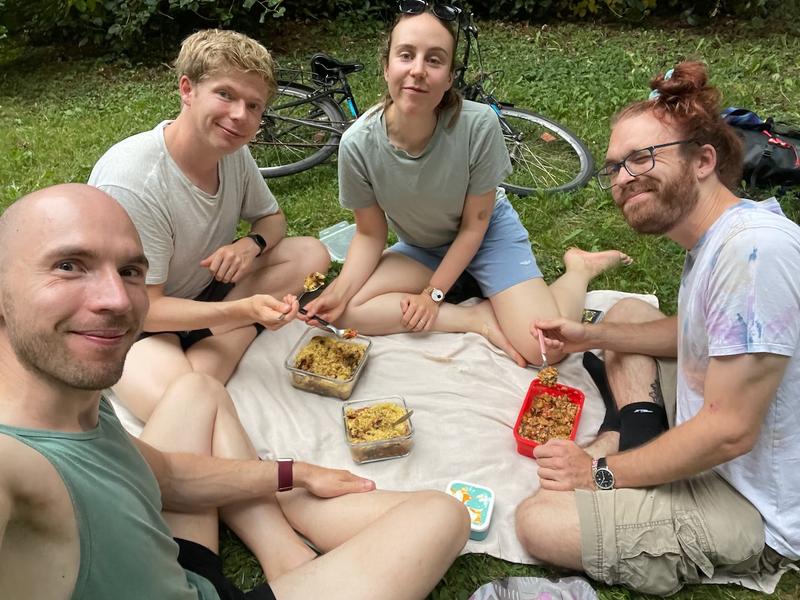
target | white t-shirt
x=740, y=294
x=179, y=223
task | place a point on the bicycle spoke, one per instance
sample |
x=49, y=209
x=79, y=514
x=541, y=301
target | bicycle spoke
x=299, y=130
x=539, y=166
x=544, y=155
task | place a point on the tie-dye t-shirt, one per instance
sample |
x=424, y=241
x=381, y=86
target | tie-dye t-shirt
x=740, y=294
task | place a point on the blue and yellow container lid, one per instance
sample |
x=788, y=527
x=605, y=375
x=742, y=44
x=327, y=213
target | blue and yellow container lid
x=479, y=501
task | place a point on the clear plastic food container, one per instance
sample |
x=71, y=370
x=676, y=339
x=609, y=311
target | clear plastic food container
x=399, y=444
x=321, y=384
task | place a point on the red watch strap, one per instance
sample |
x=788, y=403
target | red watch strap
x=285, y=474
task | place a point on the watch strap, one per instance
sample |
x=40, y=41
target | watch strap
x=601, y=464
x=260, y=241
x=285, y=474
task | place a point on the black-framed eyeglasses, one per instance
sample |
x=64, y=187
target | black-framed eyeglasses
x=636, y=163
x=440, y=10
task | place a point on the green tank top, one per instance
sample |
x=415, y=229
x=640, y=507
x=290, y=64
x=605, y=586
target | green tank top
x=127, y=552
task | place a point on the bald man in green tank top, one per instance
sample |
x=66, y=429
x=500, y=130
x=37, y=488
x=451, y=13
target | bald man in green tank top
x=88, y=512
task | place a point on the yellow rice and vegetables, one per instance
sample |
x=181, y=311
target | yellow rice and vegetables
x=329, y=357
x=373, y=423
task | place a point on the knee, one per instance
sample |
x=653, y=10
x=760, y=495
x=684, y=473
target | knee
x=313, y=254
x=536, y=524
x=199, y=393
x=445, y=513
x=632, y=310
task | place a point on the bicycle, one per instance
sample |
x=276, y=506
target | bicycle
x=304, y=124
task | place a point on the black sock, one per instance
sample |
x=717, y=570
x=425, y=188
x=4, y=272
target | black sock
x=640, y=422
x=597, y=371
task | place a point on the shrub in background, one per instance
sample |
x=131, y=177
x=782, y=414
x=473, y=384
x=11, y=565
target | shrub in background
x=123, y=24
x=633, y=9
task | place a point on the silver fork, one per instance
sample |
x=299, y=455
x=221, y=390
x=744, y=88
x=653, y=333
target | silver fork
x=340, y=333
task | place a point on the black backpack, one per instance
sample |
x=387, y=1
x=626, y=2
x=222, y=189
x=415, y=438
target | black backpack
x=771, y=150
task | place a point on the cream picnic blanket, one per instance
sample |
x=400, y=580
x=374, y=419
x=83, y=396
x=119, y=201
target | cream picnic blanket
x=465, y=393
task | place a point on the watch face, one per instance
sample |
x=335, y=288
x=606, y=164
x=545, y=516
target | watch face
x=604, y=479
x=437, y=295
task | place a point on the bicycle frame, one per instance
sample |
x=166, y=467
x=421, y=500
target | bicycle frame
x=466, y=25
x=340, y=93
x=547, y=156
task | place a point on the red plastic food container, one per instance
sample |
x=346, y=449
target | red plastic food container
x=526, y=446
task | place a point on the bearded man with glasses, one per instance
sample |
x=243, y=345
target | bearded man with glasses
x=696, y=472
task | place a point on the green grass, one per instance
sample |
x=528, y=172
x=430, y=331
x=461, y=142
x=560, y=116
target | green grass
x=57, y=116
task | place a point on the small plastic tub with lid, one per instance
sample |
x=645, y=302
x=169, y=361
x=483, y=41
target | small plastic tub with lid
x=479, y=502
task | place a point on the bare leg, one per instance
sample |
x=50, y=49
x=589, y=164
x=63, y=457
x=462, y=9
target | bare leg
x=219, y=355
x=632, y=377
x=387, y=545
x=581, y=267
x=283, y=268
x=546, y=517
x=375, y=309
x=552, y=515
x=278, y=272
x=521, y=304
x=163, y=360
x=197, y=415
x=151, y=365
x=604, y=444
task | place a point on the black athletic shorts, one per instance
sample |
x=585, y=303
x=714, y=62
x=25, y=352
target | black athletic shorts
x=213, y=292
x=199, y=559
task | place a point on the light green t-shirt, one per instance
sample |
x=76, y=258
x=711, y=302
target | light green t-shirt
x=127, y=551
x=423, y=196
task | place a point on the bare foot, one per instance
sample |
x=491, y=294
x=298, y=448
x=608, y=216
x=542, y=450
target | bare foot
x=595, y=263
x=486, y=324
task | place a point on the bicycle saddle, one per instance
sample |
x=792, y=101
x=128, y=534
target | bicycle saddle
x=325, y=69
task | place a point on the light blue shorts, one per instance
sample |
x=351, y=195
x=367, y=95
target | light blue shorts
x=503, y=260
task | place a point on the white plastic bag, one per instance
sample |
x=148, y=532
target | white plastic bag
x=536, y=588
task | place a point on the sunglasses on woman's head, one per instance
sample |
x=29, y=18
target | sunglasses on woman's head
x=444, y=12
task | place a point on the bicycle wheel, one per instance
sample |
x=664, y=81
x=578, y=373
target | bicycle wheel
x=547, y=157
x=297, y=131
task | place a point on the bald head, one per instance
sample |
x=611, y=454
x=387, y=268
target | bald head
x=72, y=285
x=36, y=214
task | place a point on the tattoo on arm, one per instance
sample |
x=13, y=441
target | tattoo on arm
x=655, y=393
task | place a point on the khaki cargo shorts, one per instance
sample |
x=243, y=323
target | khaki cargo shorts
x=657, y=539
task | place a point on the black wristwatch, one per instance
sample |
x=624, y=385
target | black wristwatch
x=262, y=243
x=602, y=475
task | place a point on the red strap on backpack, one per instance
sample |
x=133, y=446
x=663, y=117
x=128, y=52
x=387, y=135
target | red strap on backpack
x=775, y=140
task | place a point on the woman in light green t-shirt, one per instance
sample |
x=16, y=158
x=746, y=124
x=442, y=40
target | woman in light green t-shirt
x=429, y=165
